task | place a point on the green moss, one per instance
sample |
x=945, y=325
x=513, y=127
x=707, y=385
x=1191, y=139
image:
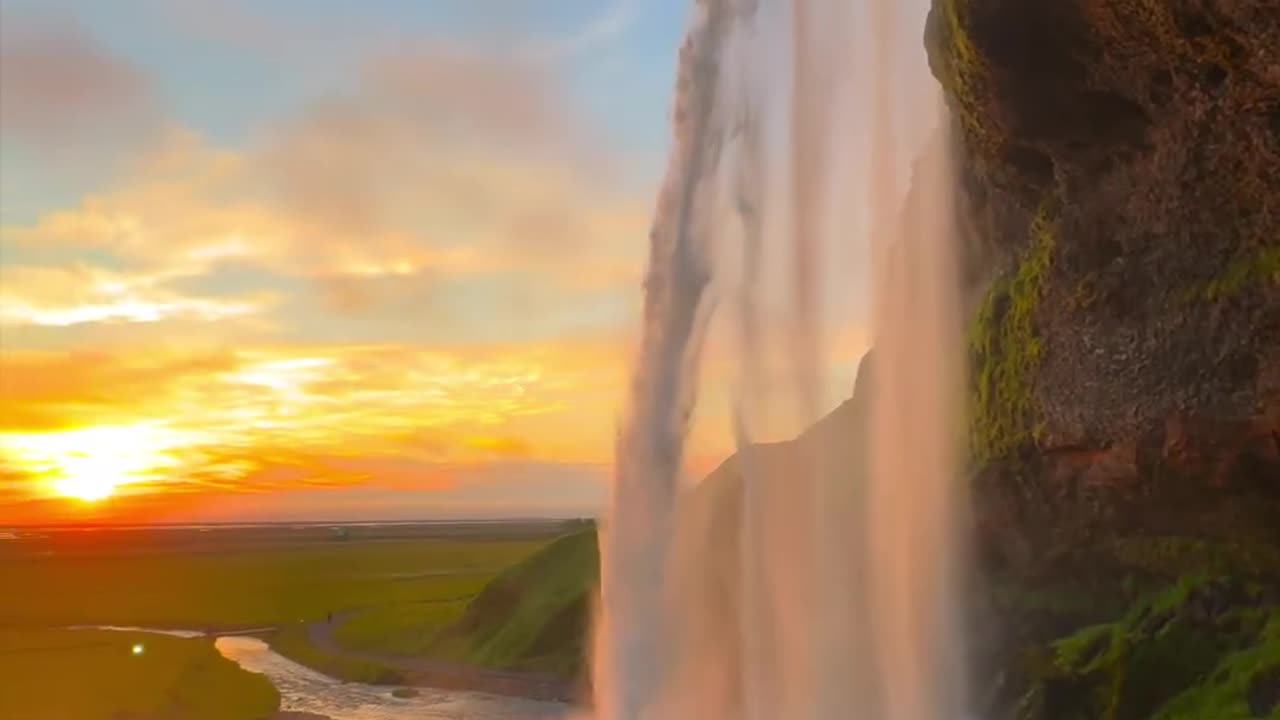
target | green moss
x=1057, y=600
x=1245, y=272
x=1194, y=651
x=1085, y=647
x=1173, y=556
x=1006, y=349
x=964, y=76
x=1224, y=693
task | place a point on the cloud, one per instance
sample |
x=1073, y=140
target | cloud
x=270, y=420
x=50, y=391
x=245, y=409
x=456, y=150
x=459, y=92
x=441, y=164
x=58, y=84
x=65, y=296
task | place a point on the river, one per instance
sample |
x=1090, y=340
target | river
x=305, y=690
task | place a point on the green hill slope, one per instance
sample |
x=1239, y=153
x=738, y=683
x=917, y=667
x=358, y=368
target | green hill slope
x=535, y=615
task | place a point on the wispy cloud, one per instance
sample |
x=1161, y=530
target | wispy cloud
x=59, y=85
x=240, y=416
x=65, y=296
x=442, y=164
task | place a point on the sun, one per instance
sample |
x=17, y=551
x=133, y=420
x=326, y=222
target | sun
x=91, y=464
x=88, y=489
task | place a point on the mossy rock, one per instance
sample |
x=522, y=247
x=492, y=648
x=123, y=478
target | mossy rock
x=1246, y=271
x=1205, y=649
x=1006, y=348
x=964, y=75
x=1173, y=556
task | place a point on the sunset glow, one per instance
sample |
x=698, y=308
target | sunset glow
x=400, y=279
x=92, y=463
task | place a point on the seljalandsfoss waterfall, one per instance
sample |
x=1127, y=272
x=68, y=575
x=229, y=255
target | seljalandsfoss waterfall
x=819, y=578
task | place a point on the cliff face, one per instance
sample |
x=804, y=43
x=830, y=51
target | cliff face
x=1120, y=195
x=1121, y=188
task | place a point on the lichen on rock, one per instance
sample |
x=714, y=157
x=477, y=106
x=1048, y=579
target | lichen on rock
x=1006, y=346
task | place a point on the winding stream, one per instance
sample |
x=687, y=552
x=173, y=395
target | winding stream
x=305, y=690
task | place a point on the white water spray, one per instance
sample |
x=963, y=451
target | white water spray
x=813, y=580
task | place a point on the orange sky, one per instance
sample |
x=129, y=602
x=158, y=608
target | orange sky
x=188, y=425
x=248, y=272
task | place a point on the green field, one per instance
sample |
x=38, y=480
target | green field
x=94, y=675
x=389, y=592
x=405, y=629
x=246, y=587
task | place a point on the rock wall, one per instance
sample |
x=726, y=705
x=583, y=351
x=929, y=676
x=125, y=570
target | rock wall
x=1119, y=166
x=1121, y=188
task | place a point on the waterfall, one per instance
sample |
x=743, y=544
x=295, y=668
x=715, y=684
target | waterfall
x=815, y=579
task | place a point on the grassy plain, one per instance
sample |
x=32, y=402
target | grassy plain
x=389, y=589
x=232, y=583
x=94, y=675
x=409, y=630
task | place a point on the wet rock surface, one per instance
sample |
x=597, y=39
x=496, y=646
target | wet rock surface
x=1119, y=166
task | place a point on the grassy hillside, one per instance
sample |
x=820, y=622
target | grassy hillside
x=535, y=615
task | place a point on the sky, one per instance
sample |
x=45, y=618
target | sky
x=313, y=259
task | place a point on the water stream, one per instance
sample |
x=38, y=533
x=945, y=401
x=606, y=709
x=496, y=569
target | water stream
x=305, y=690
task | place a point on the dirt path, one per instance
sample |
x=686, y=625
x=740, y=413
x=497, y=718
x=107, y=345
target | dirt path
x=425, y=672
